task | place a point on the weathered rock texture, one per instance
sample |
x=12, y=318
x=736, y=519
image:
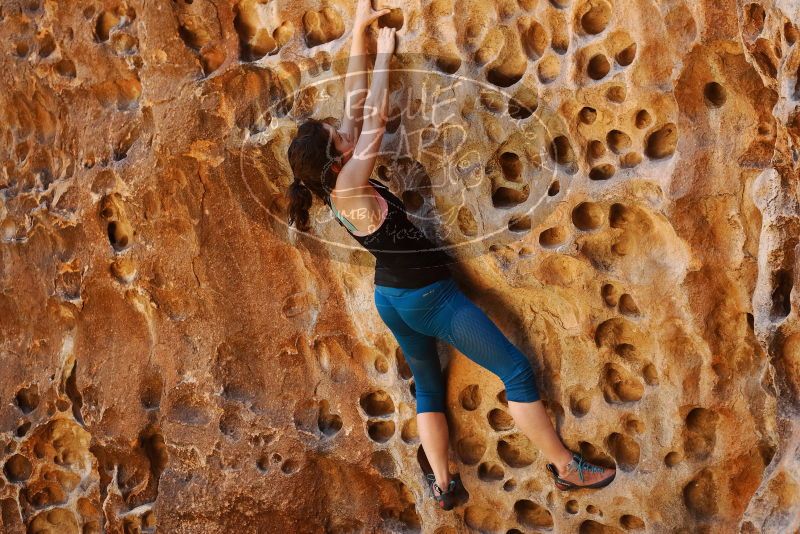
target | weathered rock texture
x=174, y=359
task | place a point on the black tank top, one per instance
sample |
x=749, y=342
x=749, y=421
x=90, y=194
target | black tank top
x=403, y=255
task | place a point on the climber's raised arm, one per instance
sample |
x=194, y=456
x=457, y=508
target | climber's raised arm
x=355, y=82
x=356, y=172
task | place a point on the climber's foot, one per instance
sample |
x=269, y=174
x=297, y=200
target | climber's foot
x=454, y=494
x=581, y=474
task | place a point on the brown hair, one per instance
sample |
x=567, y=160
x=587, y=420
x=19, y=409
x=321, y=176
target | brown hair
x=311, y=155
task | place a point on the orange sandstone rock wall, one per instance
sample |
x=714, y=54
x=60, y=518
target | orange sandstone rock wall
x=618, y=178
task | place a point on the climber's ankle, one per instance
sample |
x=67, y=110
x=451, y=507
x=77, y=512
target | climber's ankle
x=444, y=482
x=563, y=465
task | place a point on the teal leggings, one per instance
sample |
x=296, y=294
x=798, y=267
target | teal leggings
x=417, y=317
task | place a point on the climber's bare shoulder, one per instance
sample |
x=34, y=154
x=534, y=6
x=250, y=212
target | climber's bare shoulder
x=355, y=197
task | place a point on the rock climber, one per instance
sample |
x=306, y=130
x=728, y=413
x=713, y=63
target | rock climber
x=415, y=294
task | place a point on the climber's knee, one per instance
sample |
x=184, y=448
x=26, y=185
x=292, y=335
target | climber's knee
x=430, y=401
x=430, y=393
x=521, y=383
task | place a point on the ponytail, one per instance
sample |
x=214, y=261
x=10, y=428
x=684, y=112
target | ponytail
x=311, y=155
x=299, y=204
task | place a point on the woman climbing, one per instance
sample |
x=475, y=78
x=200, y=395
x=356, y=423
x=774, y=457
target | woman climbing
x=415, y=294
